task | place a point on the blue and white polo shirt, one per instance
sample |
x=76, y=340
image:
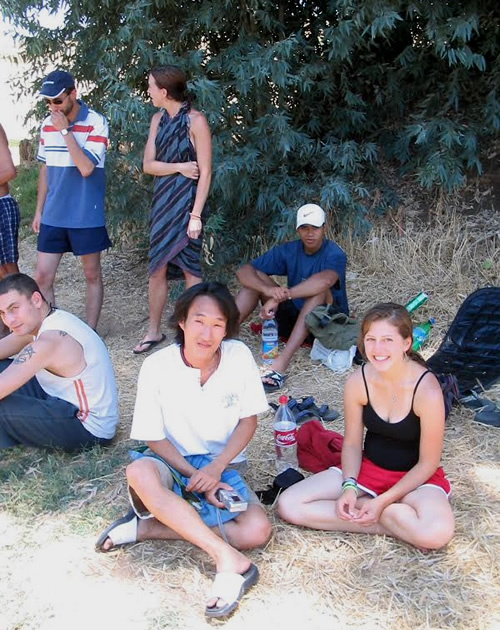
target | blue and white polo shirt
x=74, y=201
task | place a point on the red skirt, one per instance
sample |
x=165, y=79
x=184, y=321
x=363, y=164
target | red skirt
x=375, y=480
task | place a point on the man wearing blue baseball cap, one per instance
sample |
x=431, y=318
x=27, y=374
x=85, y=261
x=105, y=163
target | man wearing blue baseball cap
x=315, y=271
x=69, y=214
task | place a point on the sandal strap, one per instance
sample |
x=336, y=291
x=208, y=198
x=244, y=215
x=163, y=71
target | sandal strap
x=227, y=586
x=124, y=533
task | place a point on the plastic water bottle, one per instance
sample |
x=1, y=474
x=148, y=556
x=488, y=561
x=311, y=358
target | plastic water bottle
x=421, y=332
x=417, y=301
x=285, y=437
x=269, y=340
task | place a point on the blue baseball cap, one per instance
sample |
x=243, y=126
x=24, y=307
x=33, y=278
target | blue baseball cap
x=55, y=83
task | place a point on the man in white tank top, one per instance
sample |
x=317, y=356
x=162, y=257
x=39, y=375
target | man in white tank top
x=59, y=390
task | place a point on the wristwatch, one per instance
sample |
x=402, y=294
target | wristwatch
x=64, y=132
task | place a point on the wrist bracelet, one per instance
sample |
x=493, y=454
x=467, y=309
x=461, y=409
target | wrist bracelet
x=350, y=484
x=353, y=479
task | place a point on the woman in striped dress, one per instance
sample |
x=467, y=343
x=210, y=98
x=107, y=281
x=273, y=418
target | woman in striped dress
x=179, y=154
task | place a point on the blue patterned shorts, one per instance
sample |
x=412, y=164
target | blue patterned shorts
x=9, y=229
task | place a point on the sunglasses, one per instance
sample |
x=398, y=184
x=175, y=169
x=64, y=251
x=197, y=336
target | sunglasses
x=57, y=101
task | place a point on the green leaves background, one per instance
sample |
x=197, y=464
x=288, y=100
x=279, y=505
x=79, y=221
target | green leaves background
x=306, y=100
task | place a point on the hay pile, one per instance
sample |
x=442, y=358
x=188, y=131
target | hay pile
x=309, y=579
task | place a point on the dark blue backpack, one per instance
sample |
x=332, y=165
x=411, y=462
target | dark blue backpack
x=468, y=358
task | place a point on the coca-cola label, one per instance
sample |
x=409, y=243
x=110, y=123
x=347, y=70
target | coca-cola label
x=285, y=438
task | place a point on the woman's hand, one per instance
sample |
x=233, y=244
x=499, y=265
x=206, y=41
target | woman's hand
x=194, y=227
x=189, y=169
x=346, y=505
x=205, y=479
x=370, y=512
x=35, y=224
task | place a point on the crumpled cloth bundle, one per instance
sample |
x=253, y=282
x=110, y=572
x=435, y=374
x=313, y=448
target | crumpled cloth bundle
x=317, y=447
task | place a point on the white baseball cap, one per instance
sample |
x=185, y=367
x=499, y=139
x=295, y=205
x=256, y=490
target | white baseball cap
x=310, y=214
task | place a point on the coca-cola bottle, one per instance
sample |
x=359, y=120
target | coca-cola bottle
x=285, y=437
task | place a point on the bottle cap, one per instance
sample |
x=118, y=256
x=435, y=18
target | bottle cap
x=283, y=400
x=432, y=320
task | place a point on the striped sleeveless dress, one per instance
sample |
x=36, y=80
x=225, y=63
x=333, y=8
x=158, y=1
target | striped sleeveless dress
x=173, y=199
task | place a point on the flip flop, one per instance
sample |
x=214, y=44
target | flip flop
x=300, y=414
x=231, y=587
x=306, y=414
x=277, y=379
x=121, y=532
x=327, y=414
x=323, y=412
x=149, y=345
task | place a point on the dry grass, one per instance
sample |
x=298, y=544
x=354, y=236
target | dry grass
x=50, y=576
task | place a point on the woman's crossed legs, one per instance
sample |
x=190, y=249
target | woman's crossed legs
x=422, y=518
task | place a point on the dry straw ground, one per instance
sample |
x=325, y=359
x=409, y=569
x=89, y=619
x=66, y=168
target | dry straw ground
x=55, y=505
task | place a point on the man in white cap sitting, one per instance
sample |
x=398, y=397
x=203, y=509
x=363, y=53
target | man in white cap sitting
x=315, y=271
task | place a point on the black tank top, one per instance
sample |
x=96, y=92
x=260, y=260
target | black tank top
x=392, y=445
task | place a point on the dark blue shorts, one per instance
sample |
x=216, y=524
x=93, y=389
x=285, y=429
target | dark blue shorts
x=9, y=229
x=286, y=318
x=80, y=241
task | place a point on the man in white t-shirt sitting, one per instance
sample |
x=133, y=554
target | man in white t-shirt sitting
x=196, y=409
x=59, y=390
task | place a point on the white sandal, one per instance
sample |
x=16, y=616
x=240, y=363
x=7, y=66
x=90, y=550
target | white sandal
x=121, y=532
x=231, y=587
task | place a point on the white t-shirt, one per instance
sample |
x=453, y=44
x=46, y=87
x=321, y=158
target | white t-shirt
x=93, y=391
x=197, y=420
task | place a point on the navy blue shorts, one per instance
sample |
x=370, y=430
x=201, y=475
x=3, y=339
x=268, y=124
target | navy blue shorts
x=80, y=241
x=286, y=318
x=9, y=229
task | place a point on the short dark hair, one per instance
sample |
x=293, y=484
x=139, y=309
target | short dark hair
x=20, y=282
x=218, y=292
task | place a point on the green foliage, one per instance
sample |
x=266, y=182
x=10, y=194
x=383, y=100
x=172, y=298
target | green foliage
x=24, y=189
x=304, y=99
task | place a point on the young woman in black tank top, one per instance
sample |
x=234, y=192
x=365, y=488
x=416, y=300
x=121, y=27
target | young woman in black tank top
x=394, y=485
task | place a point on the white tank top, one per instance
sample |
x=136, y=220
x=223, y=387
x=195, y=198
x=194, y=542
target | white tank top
x=93, y=391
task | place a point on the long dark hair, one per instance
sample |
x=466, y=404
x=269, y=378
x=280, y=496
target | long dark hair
x=218, y=292
x=396, y=315
x=172, y=79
